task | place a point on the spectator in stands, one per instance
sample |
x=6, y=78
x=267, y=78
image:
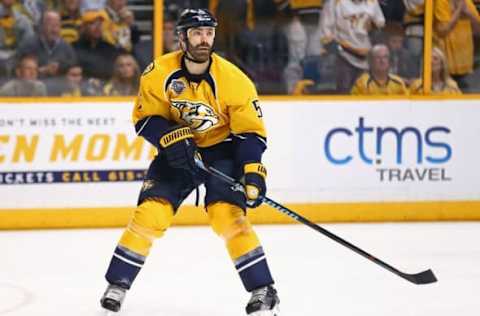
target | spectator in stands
x=73, y=82
x=54, y=54
x=94, y=54
x=26, y=82
x=303, y=35
x=119, y=27
x=125, y=79
x=379, y=80
x=402, y=62
x=413, y=21
x=454, y=22
x=71, y=20
x=75, y=86
x=345, y=27
x=442, y=82
x=15, y=27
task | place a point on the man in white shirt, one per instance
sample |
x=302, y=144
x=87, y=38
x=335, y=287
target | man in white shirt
x=346, y=24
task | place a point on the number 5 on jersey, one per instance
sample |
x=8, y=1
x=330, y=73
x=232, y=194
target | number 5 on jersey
x=257, y=108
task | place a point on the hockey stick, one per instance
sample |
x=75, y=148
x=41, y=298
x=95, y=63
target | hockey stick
x=424, y=277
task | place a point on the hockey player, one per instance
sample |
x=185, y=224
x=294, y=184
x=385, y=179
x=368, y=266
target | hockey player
x=193, y=103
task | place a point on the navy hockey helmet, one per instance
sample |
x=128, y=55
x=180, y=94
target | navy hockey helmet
x=195, y=18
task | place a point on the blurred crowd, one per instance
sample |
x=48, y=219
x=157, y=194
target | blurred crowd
x=363, y=47
x=69, y=48
x=345, y=46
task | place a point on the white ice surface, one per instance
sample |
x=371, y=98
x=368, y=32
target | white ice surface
x=60, y=272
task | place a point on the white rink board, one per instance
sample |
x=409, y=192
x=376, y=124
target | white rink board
x=445, y=132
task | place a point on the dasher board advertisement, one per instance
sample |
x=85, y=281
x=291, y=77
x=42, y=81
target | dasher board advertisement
x=86, y=154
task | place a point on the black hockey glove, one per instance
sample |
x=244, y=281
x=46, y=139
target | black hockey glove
x=254, y=183
x=179, y=148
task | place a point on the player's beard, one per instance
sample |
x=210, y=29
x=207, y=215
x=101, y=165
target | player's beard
x=201, y=53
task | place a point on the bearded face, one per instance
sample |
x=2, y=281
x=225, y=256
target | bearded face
x=200, y=42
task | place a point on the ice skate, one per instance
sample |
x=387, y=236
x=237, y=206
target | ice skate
x=264, y=302
x=113, y=297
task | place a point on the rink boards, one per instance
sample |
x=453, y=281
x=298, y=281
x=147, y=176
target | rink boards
x=80, y=164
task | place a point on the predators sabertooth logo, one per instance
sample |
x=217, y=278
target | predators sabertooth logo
x=199, y=116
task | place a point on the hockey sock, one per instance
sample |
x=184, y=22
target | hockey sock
x=150, y=221
x=229, y=222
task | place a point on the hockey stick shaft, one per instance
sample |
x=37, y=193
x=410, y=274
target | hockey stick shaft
x=424, y=277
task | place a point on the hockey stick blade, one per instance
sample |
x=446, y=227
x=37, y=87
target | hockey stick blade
x=424, y=277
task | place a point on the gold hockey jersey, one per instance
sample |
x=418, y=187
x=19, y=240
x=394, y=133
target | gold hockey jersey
x=367, y=85
x=221, y=102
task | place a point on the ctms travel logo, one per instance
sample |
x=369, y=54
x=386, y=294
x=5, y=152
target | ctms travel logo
x=397, y=154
